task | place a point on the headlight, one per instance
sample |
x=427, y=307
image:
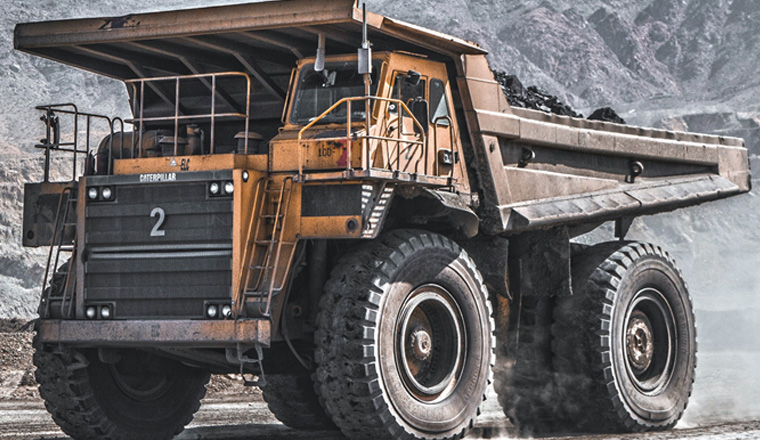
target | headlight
x=212, y=311
x=105, y=312
x=214, y=188
x=90, y=312
x=106, y=192
x=226, y=311
x=92, y=193
x=245, y=176
x=229, y=187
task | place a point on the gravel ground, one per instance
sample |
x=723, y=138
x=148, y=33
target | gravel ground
x=724, y=405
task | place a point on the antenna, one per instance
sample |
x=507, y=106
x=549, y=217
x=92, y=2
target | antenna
x=365, y=43
x=365, y=68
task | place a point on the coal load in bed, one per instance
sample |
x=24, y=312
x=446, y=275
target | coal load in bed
x=536, y=99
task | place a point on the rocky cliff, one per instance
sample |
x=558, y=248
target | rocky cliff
x=676, y=64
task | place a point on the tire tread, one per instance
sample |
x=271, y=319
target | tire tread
x=348, y=318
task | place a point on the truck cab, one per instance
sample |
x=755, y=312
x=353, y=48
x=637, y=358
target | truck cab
x=412, y=131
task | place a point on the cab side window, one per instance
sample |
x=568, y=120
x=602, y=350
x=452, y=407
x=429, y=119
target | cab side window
x=439, y=106
x=407, y=92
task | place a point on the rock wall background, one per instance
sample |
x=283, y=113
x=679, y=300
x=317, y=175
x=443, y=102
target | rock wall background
x=676, y=64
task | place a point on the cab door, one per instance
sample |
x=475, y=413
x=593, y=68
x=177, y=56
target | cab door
x=405, y=146
x=442, y=139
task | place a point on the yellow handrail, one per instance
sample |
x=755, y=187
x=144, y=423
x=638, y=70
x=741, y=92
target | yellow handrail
x=348, y=101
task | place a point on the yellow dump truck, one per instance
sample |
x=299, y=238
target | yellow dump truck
x=345, y=209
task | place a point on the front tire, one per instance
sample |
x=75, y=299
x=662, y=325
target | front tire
x=405, y=339
x=625, y=341
x=140, y=397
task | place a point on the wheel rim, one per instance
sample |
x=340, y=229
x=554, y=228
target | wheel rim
x=139, y=377
x=650, y=341
x=430, y=344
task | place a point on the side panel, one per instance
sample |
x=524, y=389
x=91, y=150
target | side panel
x=41, y=203
x=335, y=210
x=479, y=91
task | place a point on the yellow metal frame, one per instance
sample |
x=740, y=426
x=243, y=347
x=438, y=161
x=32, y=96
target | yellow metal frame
x=366, y=137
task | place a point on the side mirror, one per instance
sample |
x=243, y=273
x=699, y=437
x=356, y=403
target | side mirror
x=421, y=113
x=330, y=78
x=413, y=78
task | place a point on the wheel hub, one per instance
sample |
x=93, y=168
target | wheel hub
x=141, y=377
x=650, y=341
x=430, y=343
x=640, y=342
x=420, y=344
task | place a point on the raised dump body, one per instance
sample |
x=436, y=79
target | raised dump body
x=370, y=228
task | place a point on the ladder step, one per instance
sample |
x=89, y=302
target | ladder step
x=66, y=249
x=256, y=267
x=268, y=242
x=272, y=216
x=261, y=293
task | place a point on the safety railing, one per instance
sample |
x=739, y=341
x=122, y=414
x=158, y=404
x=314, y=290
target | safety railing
x=54, y=141
x=138, y=105
x=367, y=137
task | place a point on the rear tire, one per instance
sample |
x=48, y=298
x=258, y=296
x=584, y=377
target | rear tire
x=625, y=342
x=404, y=340
x=142, y=397
x=524, y=377
x=293, y=400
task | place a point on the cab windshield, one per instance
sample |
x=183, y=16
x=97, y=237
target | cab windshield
x=317, y=91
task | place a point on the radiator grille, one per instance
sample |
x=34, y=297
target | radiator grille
x=171, y=273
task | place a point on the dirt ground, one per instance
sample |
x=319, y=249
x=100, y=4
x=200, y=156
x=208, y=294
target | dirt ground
x=724, y=405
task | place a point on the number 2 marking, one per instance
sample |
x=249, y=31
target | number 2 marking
x=156, y=231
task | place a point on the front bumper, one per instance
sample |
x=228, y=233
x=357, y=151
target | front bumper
x=154, y=333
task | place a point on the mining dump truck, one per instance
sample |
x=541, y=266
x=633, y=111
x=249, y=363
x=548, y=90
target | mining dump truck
x=344, y=209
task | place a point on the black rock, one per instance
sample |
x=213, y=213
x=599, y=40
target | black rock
x=536, y=99
x=531, y=97
x=606, y=114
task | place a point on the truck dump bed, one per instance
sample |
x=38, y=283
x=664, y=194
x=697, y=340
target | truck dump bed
x=535, y=170
x=578, y=166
